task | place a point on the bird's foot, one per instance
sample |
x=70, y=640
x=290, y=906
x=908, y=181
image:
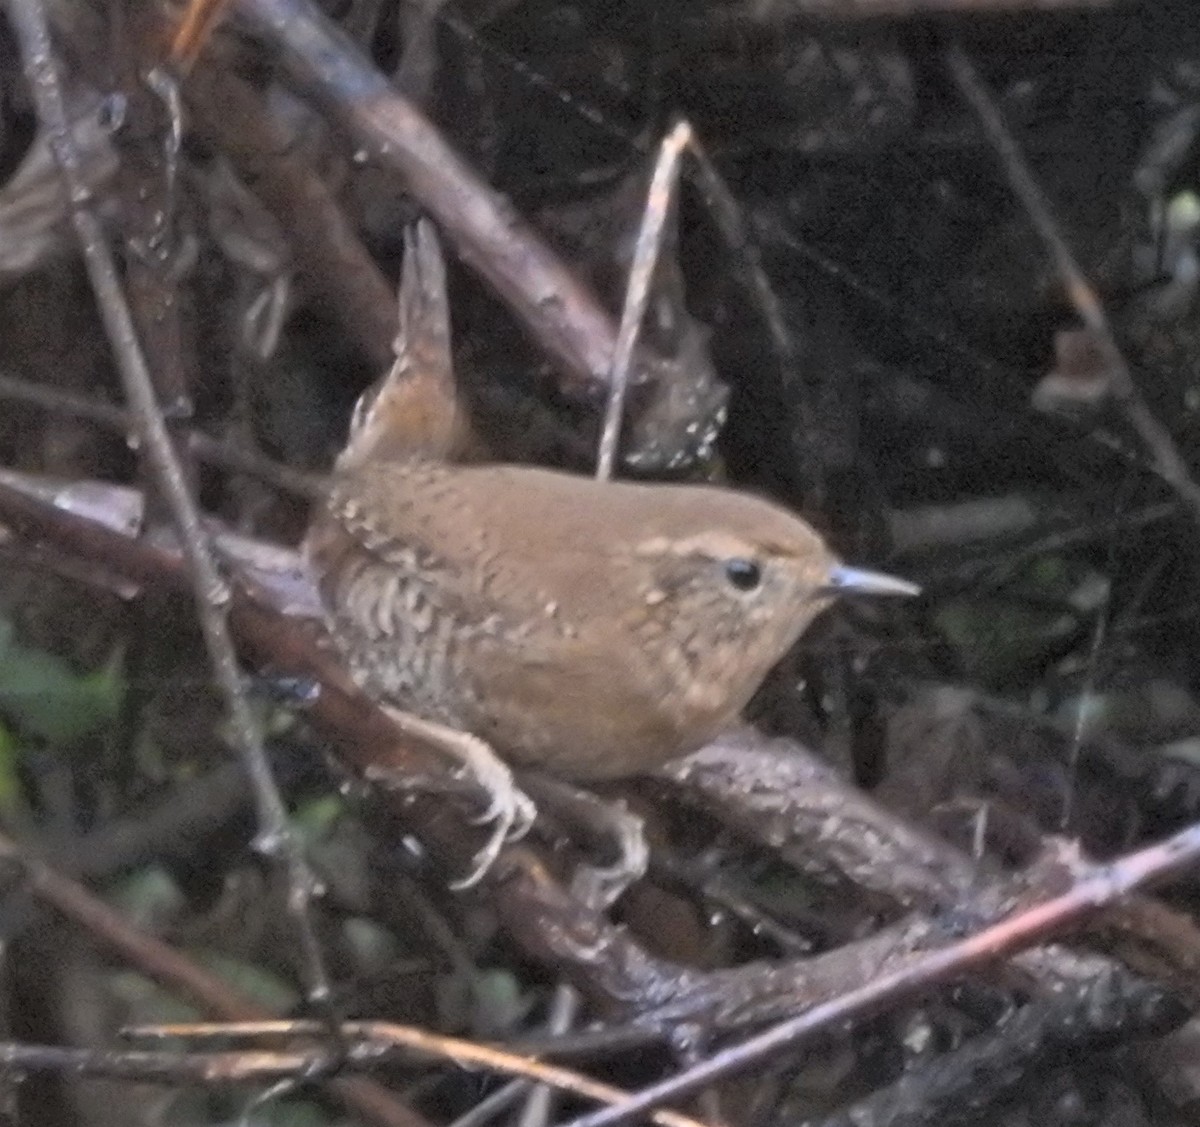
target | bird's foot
x=601, y=886
x=608, y=824
x=510, y=811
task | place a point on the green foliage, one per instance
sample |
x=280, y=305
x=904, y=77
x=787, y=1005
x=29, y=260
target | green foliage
x=44, y=697
x=144, y=1002
x=316, y=818
x=290, y=1113
x=11, y=793
x=487, y=1003
x=268, y=989
x=148, y=898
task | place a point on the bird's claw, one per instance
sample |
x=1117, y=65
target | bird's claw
x=510, y=811
x=601, y=886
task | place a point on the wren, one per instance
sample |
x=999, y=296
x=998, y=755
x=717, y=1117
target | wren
x=593, y=629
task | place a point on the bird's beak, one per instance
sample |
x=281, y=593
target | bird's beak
x=856, y=581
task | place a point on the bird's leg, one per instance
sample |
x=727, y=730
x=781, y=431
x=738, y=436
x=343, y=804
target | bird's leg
x=599, y=886
x=510, y=810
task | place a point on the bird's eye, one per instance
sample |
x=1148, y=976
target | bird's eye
x=745, y=575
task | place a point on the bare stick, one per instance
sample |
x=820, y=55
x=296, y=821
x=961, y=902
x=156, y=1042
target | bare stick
x=211, y=592
x=1097, y=886
x=726, y=214
x=1166, y=460
x=197, y=25
x=564, y=1009
x=328, y=252
x=467, y=1054
x=215, y=451
x=494, y=1105
x=637, y=295
x=562, y=315
x=172, y=1067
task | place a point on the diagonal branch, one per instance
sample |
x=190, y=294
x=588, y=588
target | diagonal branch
x=1166, y=459
x=211, y=592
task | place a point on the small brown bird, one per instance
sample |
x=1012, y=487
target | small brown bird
x=594, y=629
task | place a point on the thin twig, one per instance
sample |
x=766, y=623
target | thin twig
x=195, y=29
x=164, y=1067
x=485, y=230
x=564, y=1009
x=659, y=206
x=1097, y=886
x=325, y=247
x=1166, y=460
x=1085, y=696
x=214, y=451
x=493, y=1105
x=67, y=403
x=156, y=257
x=212, y=594
x=467, y=1054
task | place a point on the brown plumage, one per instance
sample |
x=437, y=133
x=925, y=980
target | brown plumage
x=593, y=628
